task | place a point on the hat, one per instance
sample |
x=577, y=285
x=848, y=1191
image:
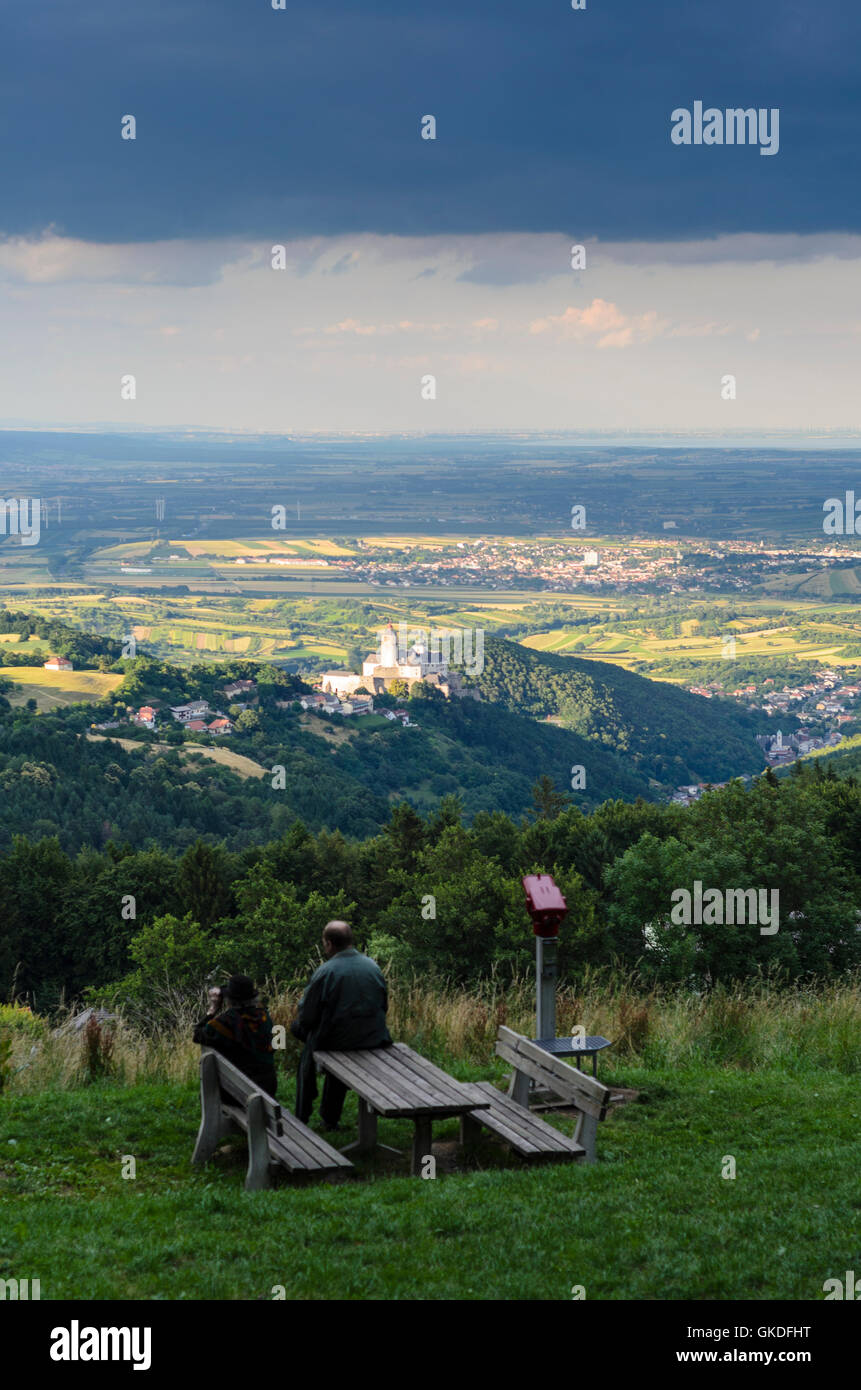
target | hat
x=240, y=988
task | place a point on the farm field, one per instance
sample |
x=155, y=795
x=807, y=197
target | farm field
x=52, y=688
x=245, y=767
x=317, y=629
x=632, y=649
x=35, y=645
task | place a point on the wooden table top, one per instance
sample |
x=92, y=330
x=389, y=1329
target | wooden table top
x=396, y=1081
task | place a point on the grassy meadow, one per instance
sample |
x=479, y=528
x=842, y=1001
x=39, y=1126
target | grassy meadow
x=52, y=688
x=768, y=1077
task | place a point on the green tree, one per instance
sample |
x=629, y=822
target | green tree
x=548, y=803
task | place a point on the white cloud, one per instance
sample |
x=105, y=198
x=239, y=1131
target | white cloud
x=341, y=337
x=603, y=321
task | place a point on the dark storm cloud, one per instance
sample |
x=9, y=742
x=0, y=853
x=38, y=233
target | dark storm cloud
x=306, y=122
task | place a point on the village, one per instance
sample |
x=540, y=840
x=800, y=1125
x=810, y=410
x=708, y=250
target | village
x=674, y=566
x=343, y=693
x=824, y=701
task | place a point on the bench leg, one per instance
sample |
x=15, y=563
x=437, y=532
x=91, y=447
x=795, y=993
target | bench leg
x=586, y=1133
x=518, y=1088
x=257, y=1176
x=367, y=1127
x=213, y=1124
x=422, y=1142
x=470, y=1129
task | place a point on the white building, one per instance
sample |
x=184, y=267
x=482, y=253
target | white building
x=388, y=664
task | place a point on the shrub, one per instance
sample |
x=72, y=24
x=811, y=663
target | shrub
x=98, y=1050
x=19, y=1018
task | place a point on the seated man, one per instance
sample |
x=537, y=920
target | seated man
x=238, y=1026
x=342, y=1010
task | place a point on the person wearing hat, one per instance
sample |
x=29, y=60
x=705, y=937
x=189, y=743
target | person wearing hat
x=344, y=1010
x=239, y=1027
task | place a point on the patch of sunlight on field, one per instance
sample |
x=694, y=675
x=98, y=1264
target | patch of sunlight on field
x=245, y=767
x=427, y=542
x=624, y=649
x=123, y=551
x=310, y=643
x=323, y=546
x=52, y=688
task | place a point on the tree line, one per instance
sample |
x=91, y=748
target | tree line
x=434, y=896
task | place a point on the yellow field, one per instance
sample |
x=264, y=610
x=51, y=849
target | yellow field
x=626, y=649
x=244, y=767
x=52, y=688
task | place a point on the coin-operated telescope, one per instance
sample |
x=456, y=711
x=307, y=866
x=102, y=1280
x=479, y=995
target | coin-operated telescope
x=547, y=908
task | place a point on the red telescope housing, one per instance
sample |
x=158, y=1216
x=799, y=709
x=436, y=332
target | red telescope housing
x=544, y=903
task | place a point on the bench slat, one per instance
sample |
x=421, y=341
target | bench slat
x=417, y=1090
x=588, y=1094
x=590, y=1086
x=521, y=1122
x=391, y=1079
x=341, y=1064
x=440, y=1080
x=393, y=1088
x=526, y=1133
x=290, y=1148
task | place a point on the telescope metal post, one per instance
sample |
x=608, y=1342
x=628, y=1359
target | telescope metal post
x=546, y=972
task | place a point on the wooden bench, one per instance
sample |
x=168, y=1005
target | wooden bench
x=399, y=1084
x=583, y=1093
x=276, y=1139
x=527, y=1134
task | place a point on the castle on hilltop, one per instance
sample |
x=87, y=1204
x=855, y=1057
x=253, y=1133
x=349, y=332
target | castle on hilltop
x=390, y=663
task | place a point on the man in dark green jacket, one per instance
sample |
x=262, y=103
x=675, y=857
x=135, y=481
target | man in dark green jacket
x=342, y=1010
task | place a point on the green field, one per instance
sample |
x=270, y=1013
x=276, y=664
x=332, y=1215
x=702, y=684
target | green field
x=319, y=618
x=765, y=1076
x=653, y=1219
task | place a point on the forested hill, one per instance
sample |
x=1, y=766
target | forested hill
x=662, y=732
x=627, y=737
x=340, y=775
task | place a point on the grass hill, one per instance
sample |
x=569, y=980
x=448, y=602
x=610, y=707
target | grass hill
x=653, y=1219
x=660, y=731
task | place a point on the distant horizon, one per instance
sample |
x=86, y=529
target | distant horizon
x=789, y=437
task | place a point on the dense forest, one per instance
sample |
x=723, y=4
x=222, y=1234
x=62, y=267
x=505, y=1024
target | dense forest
x=433, y=896
x=665, y=733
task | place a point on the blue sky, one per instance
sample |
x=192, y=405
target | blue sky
x=303, y=122
x=407, y=258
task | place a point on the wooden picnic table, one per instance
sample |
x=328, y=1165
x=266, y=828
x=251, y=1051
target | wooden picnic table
x=399, y=1084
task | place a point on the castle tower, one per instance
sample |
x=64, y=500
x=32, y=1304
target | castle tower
x=389, y=647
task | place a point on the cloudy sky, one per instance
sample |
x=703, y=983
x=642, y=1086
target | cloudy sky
x=407, y=257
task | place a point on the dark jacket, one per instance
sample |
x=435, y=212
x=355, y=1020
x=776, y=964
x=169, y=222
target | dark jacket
x=344, y=1006
x=243, y=1034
